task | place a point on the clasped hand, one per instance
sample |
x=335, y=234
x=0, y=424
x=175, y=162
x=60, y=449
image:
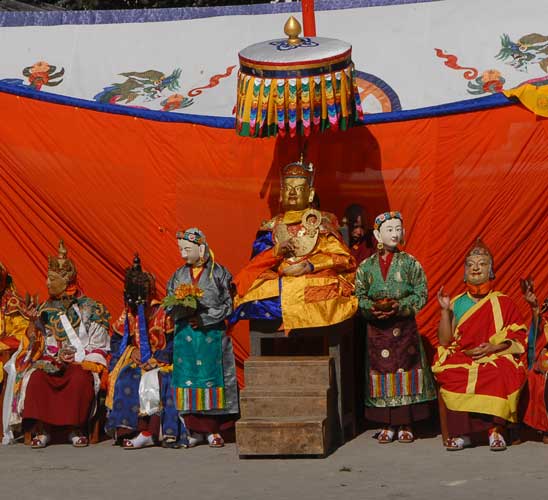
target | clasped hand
x=298, y=269
x=484, y=349
x=385, y=314
x=66, y=356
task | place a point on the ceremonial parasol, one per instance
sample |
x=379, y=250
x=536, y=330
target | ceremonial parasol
x=296, y=85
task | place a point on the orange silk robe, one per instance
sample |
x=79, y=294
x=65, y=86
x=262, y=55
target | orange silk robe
x=321, y=298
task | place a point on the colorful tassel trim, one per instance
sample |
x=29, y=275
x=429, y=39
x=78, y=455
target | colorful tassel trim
x=297, y=105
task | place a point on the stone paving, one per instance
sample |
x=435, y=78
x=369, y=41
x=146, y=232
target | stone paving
x=361, y=469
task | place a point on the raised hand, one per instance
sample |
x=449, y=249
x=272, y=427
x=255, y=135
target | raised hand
x=531, y=299
x=444, y=300
x=286, y=248
x=136, y=356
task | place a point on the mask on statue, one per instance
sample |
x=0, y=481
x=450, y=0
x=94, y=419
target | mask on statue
x=390, y=233
x=478, y=265
x=56, y=284
x=477, y=269
x=191, y=252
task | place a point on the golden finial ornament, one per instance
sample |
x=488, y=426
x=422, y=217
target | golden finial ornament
x=62, y=250
x=292, y=29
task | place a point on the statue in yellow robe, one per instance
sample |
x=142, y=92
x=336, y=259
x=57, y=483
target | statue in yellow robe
x=14, y=318
x=301, y=271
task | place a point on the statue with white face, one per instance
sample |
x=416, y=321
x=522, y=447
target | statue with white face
x=390, y=234
x=391, y=289
x=192, y=253
x=477, y=269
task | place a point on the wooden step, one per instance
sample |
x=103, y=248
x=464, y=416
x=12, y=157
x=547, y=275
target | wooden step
x=288, y=371
x=310, y=401
x=282, y=436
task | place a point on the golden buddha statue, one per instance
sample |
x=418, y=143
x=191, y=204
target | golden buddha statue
x=301, y=271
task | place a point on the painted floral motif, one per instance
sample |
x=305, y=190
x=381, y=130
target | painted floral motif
x=490, y=81
x=176, y=101
x=39, y=74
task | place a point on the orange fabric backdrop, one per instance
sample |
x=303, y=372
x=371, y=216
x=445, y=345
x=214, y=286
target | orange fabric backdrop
x=111, y=185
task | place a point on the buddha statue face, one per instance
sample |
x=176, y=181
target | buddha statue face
x=390, y=233
x=477, y=269
x=192, y=253
x=296, y=193
x=56, y=284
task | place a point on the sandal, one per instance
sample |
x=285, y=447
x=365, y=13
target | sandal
x=40, y=441
x=194, y=439
x=140, y=441
x=215, y=440
x=385, y=436
x=496, y=441
x=405, y=435
x=78, y=440
x=170, y=442
x=458, y=443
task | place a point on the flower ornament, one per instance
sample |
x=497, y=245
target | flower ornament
x=193, y=235
x=394, y=214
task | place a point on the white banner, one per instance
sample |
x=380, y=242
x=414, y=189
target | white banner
x=408, y=56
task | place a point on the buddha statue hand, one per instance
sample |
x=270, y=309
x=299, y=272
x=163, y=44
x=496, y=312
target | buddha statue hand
x=298, y=269
x=286, y=248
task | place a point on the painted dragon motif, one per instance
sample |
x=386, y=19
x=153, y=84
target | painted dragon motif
x=148, y=84
x=529, y=49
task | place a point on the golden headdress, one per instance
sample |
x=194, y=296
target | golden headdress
x=299, y=169
x=62, y=265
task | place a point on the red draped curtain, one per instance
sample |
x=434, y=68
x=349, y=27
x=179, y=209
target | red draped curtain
x=111, y=185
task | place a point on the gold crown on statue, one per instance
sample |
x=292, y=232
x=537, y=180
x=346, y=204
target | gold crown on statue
x=61, y=264
x=299, y=169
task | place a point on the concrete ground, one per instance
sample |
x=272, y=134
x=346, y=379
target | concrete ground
x=361, y=469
